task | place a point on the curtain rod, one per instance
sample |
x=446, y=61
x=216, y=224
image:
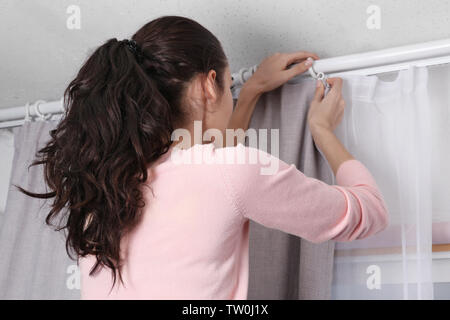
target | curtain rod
x=15, y=116
x=372, y=62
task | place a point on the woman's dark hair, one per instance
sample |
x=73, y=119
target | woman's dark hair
x=120, y=114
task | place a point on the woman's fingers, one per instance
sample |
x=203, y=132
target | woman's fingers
x=303, y=60
x=336, y=87
x=318, y=95
x=272, y=72
x=335, y=83
x=297, y=69
x=297, y=56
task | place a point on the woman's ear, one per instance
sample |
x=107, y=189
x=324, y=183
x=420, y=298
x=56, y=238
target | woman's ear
x=210, y=90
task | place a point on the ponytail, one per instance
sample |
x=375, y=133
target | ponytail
x=121, y=110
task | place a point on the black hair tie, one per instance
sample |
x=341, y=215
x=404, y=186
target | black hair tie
x=134, y=48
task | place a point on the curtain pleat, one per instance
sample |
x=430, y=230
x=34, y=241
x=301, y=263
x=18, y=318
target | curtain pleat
x=283, y=266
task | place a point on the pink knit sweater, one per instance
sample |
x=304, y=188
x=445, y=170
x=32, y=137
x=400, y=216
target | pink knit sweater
x=192, y=242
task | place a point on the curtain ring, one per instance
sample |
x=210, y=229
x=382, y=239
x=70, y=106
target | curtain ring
x=42, y=117
x=319, y=76
x=239, y=79
x=27, y=112
x=241, y=76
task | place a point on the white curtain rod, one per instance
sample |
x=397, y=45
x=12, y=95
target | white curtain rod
x=372, y=62
x=15, y=116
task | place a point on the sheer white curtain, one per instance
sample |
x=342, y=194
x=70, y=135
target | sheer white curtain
x=399, y=129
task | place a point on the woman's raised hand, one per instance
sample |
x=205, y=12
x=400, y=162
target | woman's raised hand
x=272, y=72
x=326, y=113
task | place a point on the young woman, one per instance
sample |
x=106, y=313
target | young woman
x=172, y=231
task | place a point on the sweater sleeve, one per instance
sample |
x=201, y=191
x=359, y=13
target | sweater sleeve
x=290, y=201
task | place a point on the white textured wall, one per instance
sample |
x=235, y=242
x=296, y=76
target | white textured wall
x=39, y=55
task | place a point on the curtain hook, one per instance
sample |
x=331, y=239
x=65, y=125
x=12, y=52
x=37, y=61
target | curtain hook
x=42, y=117
x=319, y=76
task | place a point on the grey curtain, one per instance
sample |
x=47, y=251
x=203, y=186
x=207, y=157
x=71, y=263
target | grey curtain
x=34, y=263
x=283, y=266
